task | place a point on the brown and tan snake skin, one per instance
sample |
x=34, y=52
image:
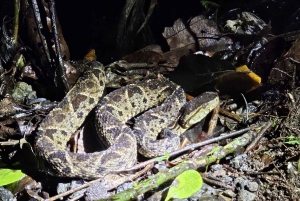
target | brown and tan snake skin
x=164, y=97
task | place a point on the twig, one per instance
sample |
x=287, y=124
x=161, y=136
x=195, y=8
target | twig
x=115, y=184
x=262, y=173
x=258, y=137
x=246, y=103
x=39, y=25
x=213, y=121
x=60, y=63
x=16, y=21
x=76, y=198
x=215, y=182
x=191, y=147
x=200, y=144
x=230, y=115
x=10, y=143
x=72, y=190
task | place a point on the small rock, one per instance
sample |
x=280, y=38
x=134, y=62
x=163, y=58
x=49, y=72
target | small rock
x=228, y=179
x=6, y=195
x=124, y=187
x=158, y=195
x=159, y=167
x=205, y=193
x=216, y=167
x=245, y=195
x=23, y=91
x=240, y=182
x=63, y=187
x=239, y=162
x=96, y=191
x=205, y=198
x=252, y=186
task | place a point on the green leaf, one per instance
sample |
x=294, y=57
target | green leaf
x=213, y=150
x=167, y=156
x=185, y=185
x=273, y=123
x=299, y=165
x=293, y=142
x=8, y=176
x=162, y=158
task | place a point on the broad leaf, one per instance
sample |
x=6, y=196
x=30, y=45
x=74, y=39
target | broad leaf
x=185, y=185
x=8, y=176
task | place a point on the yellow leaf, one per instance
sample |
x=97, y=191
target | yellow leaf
x=91, y=55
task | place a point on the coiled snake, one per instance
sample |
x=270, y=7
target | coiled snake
x=111, y=114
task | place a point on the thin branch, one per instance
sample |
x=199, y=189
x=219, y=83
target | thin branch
x=192, y=147
x=60, y=62
x=115, y=181
x=39, y=25
x=72, y=190
x=16, y=21
x=258, y=137
x=246, y=103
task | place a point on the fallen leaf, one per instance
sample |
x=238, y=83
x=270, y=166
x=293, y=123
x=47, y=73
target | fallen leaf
x=8, y=176
x=195, y=71
x=91, y=55
x=239, y=81
x=185, y=185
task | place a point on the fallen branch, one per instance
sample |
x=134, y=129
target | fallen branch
x=257, y=138
x=190, y=148
x=16, y=21
x=59, y=61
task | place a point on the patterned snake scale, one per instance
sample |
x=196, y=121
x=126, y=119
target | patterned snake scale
x=111, y=115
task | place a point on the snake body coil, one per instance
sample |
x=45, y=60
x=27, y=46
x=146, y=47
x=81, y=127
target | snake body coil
x=111, y=114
